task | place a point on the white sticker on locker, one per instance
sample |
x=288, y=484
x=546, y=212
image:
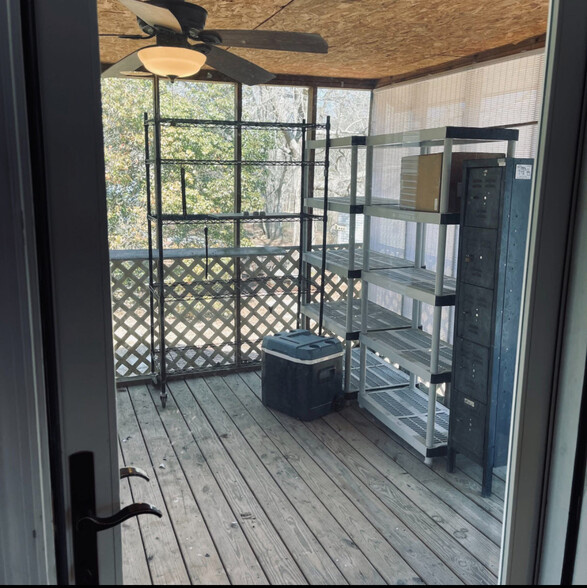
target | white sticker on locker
x=523, y=171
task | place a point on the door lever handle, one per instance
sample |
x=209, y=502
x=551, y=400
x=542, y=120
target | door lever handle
x=85, y=524
x=130, y=471
x=96, y=524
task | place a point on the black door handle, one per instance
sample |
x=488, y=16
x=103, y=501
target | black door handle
x=97, y=524
x=86, y=525
x=129, y=471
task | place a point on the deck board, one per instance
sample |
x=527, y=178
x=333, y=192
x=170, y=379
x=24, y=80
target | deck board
x=351, y=562
x=438, y=486
x=163, y=552
x=265, y=540
x=241, y=564
x=430, y=568
x=306, y=550
x=202, y=561
x=461, y=479
x=413, y=496
x=253, y=496
x=361, y=531
x=136, y=569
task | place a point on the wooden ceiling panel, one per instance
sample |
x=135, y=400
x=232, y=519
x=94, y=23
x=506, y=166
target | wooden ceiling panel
x=368, y=39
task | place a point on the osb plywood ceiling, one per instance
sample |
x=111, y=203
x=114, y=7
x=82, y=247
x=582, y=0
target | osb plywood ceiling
x=368, y=39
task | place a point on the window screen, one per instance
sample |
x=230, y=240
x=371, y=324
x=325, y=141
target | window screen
x=503, y=93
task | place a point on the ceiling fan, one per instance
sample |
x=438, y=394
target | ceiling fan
x=183, y=46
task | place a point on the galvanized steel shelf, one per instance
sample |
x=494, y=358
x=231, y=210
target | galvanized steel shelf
x=339, y=261
x=436, y=137
x=337, y=321
x=338, y=204
x=413, y=412
x=405, y=411
x=417, y=283
x=392, y=210
x=412, y=349
x=380, y=373
x=348, y=141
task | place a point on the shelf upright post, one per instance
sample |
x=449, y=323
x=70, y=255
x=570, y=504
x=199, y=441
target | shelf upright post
x=351, y=266
x=160, y=264
x=438, y=289
x=238, y=156
x=419, y=260
x=303, y=225
x=150, y=242
x=306, y=228
x=364, y=283
x=324, y=223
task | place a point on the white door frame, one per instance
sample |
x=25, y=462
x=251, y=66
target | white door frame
x=66, y=46
x=27, y=551
x=60, y=90
x=539, y=477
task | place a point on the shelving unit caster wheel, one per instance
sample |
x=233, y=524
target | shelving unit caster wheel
x=163, y=400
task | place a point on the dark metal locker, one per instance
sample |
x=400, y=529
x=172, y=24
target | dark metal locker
x=494, y=221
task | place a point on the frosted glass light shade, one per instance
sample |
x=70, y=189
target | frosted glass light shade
x=172, y=61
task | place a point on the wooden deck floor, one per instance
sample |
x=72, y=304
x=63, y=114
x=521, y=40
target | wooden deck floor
x=251, y=496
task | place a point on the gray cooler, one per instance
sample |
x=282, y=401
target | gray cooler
x=302, y=374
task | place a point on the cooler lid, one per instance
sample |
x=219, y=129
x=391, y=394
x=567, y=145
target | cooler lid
x=302, y=344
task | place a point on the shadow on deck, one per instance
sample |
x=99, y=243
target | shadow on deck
x=251, y=496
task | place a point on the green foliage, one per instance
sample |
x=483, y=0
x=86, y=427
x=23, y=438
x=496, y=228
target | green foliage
x=211, y=187
x=208, y=188
x=123, y=105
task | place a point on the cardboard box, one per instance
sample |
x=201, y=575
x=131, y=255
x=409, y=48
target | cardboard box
x=420, y=180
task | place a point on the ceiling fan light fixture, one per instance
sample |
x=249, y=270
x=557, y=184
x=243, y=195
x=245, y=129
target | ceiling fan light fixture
x=175, y=62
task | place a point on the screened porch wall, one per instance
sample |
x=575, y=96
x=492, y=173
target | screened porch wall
x=504, y=93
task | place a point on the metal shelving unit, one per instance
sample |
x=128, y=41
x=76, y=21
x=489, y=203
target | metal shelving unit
x=217, y=295
x=343, y=317
x=411, y=409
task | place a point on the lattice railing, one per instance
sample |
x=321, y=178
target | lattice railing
x=131, y=320
x=212, y=319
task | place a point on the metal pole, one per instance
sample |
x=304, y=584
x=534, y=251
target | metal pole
x=309, y=193
x=324, y=224
x=351, y=267
x=364, y=283
x=238, y=155
x=160, y=264
x=150, y=243
x=438, y=288
x=303, y=223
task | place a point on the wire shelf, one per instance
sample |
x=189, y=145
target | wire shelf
x=208, y=123
x=264, y=163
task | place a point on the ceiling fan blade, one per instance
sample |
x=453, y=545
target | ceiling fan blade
x=236, y=67
x=153, y=14
x=176, y=15
x=131, y=63
x=276, y=40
